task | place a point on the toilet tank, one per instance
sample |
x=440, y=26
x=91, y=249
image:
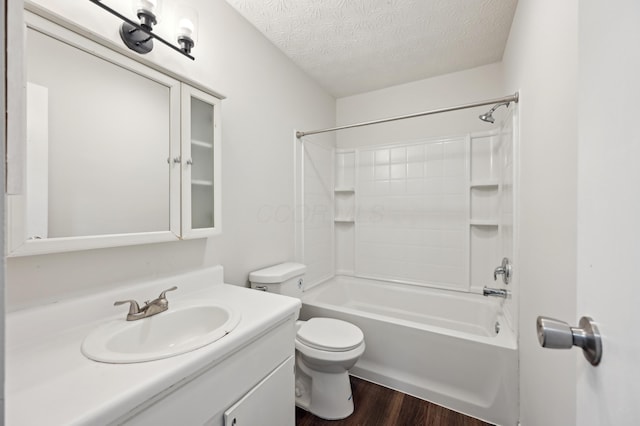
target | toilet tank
x=284, y=278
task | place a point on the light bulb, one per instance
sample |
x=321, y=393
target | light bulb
x=148, y=5
x=185, y=28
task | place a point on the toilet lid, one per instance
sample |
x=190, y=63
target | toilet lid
x=330, y=334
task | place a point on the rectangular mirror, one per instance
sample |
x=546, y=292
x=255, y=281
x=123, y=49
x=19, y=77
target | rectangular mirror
x=102, y=131
x=108, y=144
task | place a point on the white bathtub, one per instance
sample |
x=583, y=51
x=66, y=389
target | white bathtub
x=438, y=345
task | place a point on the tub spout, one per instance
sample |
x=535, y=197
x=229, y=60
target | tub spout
x=497, y=292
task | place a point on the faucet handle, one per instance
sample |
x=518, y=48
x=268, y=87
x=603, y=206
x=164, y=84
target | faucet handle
x=133, y=307
x=505, y=270
x=163, y=295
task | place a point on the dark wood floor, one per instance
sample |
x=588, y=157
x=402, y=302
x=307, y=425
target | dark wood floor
x=379, y=406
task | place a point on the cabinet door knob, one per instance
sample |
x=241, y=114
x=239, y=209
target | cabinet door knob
x=177, y=160
x=189, y=162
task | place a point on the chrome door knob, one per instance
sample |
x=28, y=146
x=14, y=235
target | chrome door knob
x=556, y=334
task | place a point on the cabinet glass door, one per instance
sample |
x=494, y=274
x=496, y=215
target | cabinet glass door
x=200, y=163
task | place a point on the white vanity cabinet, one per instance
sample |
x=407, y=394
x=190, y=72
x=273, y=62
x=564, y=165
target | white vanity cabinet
x=257, y=380
x=247, y=373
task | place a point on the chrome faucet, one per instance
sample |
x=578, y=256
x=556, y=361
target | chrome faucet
x=505, y=270
x=497, y=292
x=149, y=309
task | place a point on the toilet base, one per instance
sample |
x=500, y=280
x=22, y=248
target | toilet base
x=325, y=395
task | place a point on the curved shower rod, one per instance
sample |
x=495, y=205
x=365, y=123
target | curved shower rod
x=507, y=99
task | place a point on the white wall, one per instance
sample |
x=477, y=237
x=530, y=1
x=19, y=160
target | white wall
x=541, y=61
x=438, y=92
x=267, y=98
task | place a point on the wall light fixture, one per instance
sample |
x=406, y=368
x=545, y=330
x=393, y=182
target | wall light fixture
x=139, y=36
x=186, y=31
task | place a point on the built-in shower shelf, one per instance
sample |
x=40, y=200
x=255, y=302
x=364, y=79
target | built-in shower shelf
x=344, y=189
x=344, y=220
x=483, y=222
x=484, y=183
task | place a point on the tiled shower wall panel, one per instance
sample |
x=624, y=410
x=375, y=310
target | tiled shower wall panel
x=412, y=218
x=318, y=212
x=345, y=250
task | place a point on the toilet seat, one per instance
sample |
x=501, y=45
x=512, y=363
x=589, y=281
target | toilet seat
x=329, y=334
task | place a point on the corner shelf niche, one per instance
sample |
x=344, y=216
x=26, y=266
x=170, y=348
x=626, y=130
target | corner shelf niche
x=344, y=190
x=344, y=195
x=485, y=203
x=345, y=206
x=484, y=207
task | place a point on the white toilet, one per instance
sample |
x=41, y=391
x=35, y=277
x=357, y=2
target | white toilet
x=326, y=348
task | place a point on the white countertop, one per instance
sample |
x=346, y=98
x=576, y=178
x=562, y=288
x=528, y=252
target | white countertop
x=50, y=382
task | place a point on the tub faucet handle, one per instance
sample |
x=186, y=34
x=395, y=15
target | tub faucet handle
x=505, y=270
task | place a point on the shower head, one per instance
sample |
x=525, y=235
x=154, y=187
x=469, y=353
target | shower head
x=488, y=116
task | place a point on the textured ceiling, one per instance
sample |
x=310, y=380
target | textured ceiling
x=353, y=46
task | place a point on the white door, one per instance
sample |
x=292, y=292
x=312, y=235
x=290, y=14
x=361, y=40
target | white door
x=608, y=267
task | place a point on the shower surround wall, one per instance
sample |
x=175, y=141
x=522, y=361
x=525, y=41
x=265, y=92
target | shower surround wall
x=435, y=212
x=417, y=209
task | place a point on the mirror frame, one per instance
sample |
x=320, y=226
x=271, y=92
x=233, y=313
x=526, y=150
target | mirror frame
x=17, y=238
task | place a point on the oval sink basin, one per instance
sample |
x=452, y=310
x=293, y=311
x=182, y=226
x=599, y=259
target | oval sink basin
x=182, y=328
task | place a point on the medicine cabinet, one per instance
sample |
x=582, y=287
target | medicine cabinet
x=113, y=152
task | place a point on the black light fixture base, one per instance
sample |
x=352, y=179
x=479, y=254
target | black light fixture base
x=186, y=43
x=135, y=36
x=136, y=39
